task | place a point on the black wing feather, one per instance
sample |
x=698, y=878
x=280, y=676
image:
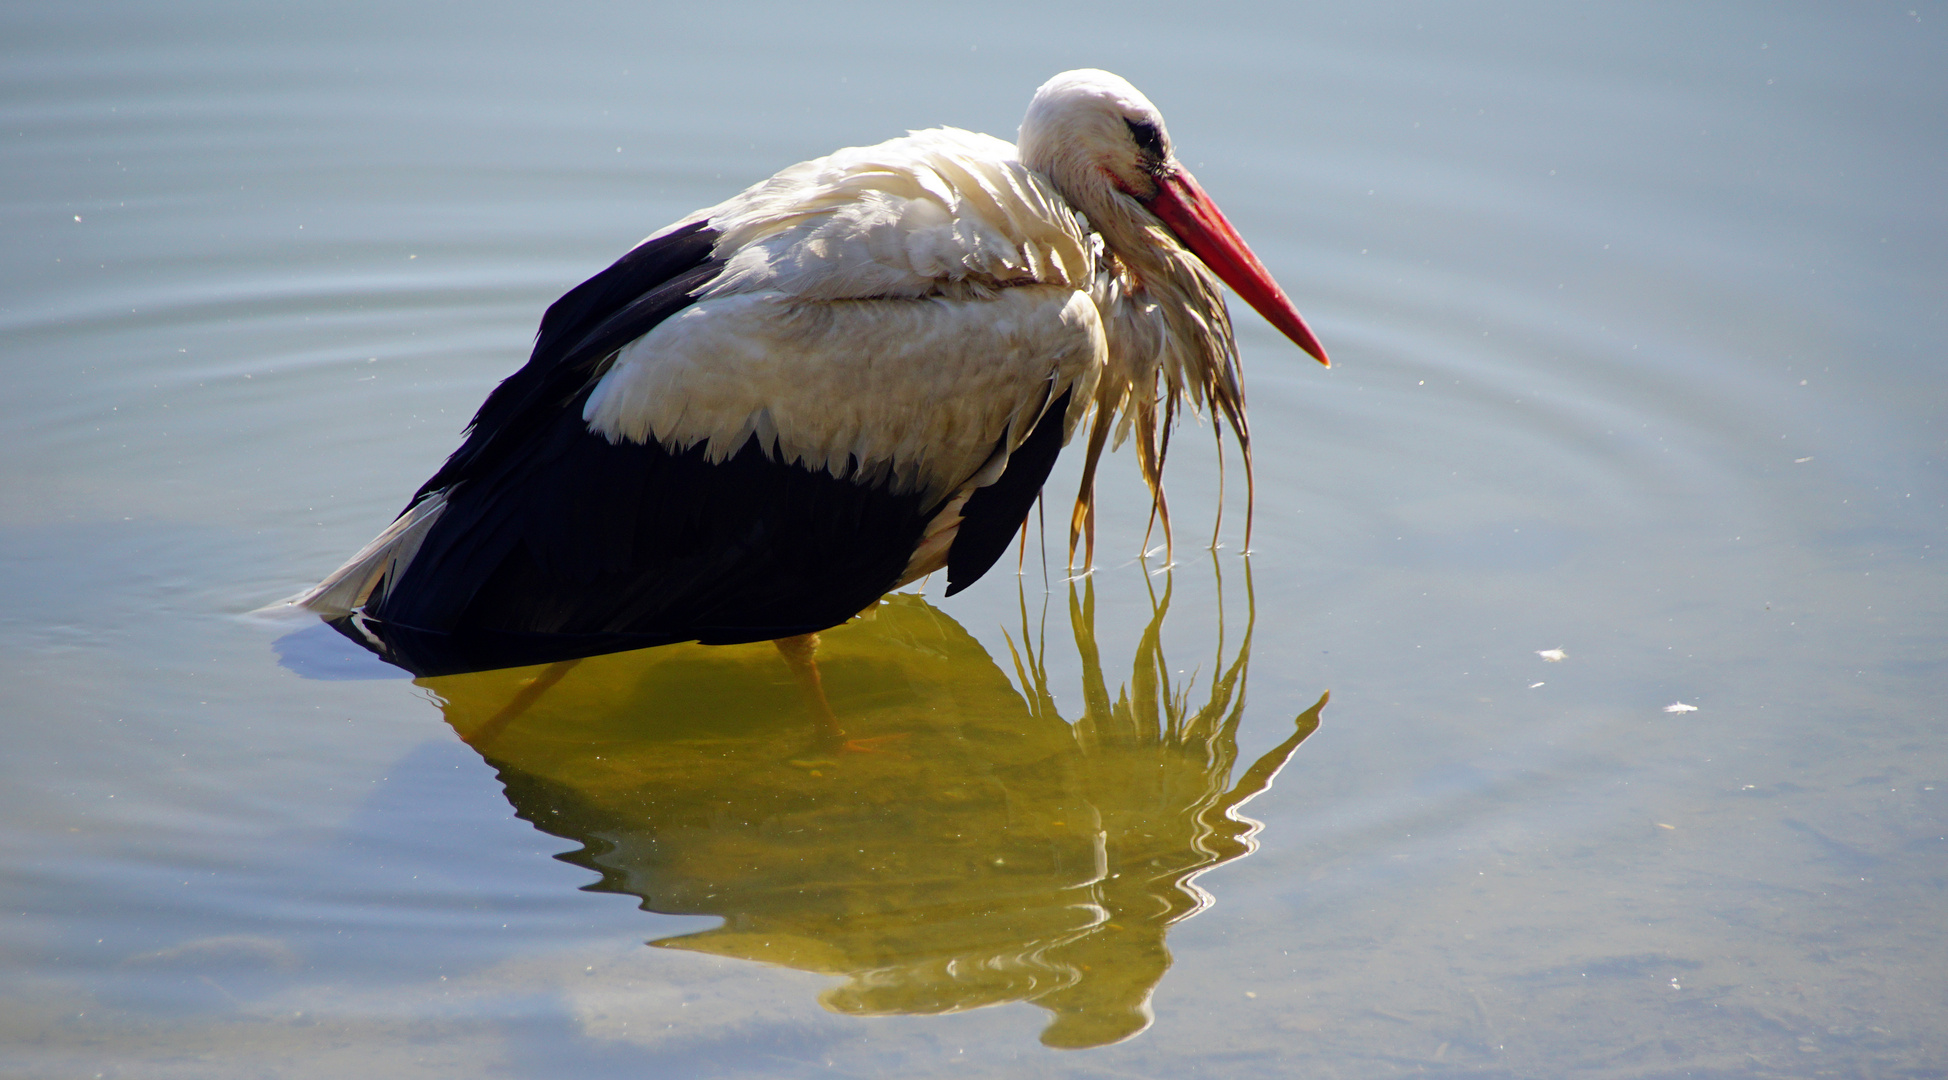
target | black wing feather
x=993, y=513
x=579, y=332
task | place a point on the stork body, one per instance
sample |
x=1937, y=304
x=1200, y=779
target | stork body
x=851, y=375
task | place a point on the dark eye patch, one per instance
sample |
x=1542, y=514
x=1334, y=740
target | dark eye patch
x=1149, y=138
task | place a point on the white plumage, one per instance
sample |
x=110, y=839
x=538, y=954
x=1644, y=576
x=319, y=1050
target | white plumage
x=910, y=393
x=969, y=308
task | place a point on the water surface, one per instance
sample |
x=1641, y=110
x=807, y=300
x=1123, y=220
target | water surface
x=1635, y=317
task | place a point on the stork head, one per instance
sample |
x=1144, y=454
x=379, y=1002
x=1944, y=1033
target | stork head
x=1105, y=148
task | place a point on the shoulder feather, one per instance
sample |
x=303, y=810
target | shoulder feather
x=908, y=217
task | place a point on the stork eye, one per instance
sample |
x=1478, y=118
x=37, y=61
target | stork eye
x=1149, y=138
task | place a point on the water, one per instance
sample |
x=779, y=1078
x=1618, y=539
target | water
x=1634, y=312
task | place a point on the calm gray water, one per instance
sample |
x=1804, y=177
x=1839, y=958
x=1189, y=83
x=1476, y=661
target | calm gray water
x=1636, y=313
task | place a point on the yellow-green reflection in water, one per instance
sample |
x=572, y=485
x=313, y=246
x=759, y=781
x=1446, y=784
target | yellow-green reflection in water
x=970, y=848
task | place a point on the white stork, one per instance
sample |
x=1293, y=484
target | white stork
x=851, y=375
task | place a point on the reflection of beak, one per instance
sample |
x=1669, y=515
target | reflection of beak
x=1194, y=218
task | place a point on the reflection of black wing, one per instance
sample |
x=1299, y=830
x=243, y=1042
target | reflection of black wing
x=1000, y=854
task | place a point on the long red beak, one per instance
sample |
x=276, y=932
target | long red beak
x=1188, y=212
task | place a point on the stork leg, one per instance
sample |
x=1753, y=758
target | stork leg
x=523, y=699
x=800, y=653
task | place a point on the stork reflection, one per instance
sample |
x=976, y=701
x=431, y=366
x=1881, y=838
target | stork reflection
x=975, y=849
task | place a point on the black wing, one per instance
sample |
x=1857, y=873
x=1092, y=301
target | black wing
x=994, y=513
x=557, y=543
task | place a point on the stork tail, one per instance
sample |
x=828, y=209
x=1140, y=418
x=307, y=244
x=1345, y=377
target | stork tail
x=350, y=586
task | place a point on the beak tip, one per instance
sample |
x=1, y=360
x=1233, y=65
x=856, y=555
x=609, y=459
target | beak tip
x=1310, y=345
